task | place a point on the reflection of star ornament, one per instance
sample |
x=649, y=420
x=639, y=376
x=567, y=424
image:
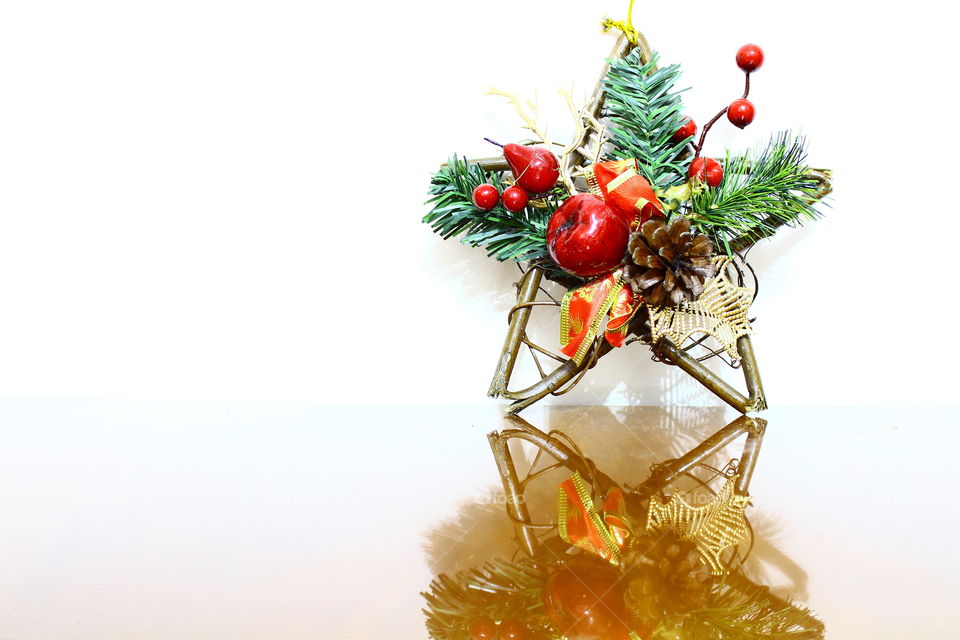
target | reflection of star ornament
x=713, y=527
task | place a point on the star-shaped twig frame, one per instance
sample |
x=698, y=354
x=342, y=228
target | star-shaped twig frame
x=565, y=373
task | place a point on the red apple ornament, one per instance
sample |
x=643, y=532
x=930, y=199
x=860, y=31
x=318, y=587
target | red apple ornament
x=707, y=169
x=485, y=197
x=514, y=198
x=535, y=169
x=586, y=237
x=584, y=600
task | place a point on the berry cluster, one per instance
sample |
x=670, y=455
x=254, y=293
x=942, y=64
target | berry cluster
x=740, y=113
x=486, y=196
x=535, y=170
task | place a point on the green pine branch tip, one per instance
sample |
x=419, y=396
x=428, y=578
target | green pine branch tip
x=645, y=112
x=762, y=190
x=506, y=235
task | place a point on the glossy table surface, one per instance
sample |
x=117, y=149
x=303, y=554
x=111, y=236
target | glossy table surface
x=228, y=520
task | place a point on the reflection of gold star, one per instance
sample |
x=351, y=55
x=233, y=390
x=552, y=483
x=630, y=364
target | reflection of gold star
x=713, y=527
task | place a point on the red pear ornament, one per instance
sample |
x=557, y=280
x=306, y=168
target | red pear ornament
x=536, y=169
x=586, y=237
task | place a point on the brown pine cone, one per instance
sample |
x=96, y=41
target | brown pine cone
x=668, y=265
x=670, y=579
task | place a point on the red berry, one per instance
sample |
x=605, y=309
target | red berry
x=740, y=112
x=483, y=628
x=687, y=130
x=749, y=57
x=514, y=198
x=707, y=169
x=485, y=197
x=512, y=629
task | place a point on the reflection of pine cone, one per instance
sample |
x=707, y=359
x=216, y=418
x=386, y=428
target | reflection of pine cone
x=669, y=264
x=670, y=579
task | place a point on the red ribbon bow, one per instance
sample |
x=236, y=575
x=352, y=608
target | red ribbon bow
x=581, y=525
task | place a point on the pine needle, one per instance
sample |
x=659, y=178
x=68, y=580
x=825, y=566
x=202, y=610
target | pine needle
x=749, y=612
x=499, y=589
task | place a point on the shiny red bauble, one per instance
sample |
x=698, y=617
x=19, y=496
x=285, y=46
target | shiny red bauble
x=707, y=169
x=512, y=629
x=740, y=112
x=485, y=197
x=514, y=198
x=687, y=130
x=483, y=628
x=586, y=237
x=584, y=600
x=749, y=57
x=536, y=169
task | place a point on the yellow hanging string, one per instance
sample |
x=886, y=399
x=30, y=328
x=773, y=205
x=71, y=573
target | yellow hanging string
x=624, y=26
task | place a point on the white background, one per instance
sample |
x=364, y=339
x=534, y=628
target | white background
x=207, y=204
x=221, y=200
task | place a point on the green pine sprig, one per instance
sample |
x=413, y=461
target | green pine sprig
x=761, y=191
x=749, y=611
x=505, y=235
x=644, y=113
x=498, y=590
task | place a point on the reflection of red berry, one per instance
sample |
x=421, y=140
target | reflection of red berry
x=512, y=629
x=707, y=169
x=740, y=112
x=483, y=628
x=485, y=197
x=749, y=57
x=688, y=130
x=514, y=198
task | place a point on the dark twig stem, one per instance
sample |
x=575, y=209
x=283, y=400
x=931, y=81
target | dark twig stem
x=493, y=142
x=706, y=127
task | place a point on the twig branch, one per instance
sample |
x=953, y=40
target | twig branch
x=529, y=117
